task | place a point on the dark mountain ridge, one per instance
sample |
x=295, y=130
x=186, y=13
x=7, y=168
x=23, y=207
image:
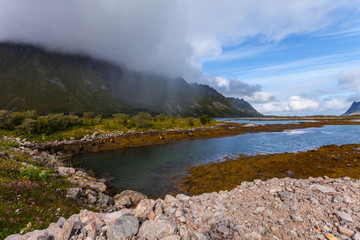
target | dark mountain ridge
x=353, y=110
x=32, y=78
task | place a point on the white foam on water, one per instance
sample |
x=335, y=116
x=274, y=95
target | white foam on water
x=293, y=132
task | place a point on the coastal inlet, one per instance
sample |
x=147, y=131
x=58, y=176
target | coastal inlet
x=155, y=170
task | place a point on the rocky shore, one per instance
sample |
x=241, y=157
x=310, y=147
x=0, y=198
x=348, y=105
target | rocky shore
x=313, y=208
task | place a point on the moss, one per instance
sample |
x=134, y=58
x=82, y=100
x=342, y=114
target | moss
x=332, y=161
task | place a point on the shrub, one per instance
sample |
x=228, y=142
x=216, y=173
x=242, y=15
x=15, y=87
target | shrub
x=88, y=115
x=204, y=119
x=142, y=120
x=190, y=122
x=35, y=174
x=121, y=118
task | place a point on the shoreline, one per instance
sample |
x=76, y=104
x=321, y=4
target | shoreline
x=313, y=208
x=116, y=140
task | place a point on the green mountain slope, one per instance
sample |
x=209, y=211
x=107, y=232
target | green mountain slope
x=31, y=78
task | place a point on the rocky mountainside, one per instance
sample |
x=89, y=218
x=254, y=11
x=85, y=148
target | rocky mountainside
x=353, y=110
x=32, y=78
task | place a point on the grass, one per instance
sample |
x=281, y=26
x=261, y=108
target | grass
x=31, y=197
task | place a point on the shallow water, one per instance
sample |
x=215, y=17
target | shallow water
x=149, y=169
x=263, y=122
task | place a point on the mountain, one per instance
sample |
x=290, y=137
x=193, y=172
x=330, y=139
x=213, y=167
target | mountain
x=32, y=78
x=353, y=110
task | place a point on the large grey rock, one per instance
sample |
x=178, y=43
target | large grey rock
x=157, y=229
x=134, y=196
x=124, y=227
x=73, y=193
x=110, y=218
x=144, y=208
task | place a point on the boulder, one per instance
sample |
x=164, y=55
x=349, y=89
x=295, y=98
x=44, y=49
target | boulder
x=124, y=227
x=123, y=202
x=134, y=196
x=144, y=208
x=110, y=218
x=157, y=229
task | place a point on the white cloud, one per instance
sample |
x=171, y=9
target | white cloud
x=351, y=79
x=164, y=36
x=295, y=105
x=260, y=97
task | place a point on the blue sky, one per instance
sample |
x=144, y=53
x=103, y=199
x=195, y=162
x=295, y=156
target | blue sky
x=298, y=57
x=307, y=65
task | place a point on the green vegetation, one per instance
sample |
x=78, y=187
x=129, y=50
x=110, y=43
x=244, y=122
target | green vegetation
x=50, y=127
x=31, y=197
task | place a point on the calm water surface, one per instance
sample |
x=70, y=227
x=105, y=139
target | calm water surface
x=150, y=169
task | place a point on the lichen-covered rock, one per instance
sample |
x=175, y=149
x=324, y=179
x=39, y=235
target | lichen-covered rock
x=124, y=227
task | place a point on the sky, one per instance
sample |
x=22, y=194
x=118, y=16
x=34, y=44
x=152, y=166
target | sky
x=299, y=57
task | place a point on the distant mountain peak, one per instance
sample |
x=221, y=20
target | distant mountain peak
x=353, y=110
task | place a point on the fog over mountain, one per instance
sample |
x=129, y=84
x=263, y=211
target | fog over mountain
x=168, y=37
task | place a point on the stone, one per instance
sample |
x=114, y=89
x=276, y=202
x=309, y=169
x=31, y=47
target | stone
x=172, y=237
x=356, y=236
x=275, y=189
x=74, y=193
x=198, y=236
x=345, y=231
x=110, y=218
x=157, y=229
x=322, y=188
x=125, y=201
x=124, y=227
x=159, y=207
x=63, y=171
x=344, y=217
x=87, y=217
x=53, y=229
x=255, y=236
x=134, y=196
x=296, y=218
x=66, y=230
x=104, y=200
x=92, y=199
x=88, y=184
x=151, y=215
x=13, y=237
x=61, y=221
x=259, y=210
x=169, y=198
x=144, y=208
